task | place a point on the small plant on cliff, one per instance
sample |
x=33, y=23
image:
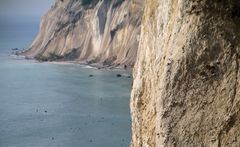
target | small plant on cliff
x=41, y=58
x=54, y=57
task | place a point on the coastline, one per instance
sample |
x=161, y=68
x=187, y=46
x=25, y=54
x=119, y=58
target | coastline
x=97, y=66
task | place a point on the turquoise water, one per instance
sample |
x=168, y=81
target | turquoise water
x=59, y=105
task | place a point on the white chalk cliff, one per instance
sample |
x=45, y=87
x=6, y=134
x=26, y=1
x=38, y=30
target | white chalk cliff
x=90, y=31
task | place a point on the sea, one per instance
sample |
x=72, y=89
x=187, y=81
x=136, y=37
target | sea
x=57, y=104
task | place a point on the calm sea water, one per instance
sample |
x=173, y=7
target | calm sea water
x=58, y=105
x=17, y=33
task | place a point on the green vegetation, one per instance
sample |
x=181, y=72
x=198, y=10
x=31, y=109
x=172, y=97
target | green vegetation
x=109, y=61
x=73, y=54
x=41, y=58
x=93, y=61
x=50, y=57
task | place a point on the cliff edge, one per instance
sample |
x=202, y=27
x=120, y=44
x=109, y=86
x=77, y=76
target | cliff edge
x=186, y=90
x=89, y=31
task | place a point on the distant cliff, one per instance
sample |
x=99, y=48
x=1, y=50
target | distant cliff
x=186, y=90
x=89, y=31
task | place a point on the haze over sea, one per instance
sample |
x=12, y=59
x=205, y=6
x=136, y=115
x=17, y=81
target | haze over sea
x=56, y=105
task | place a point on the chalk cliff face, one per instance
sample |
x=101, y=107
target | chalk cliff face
x=92, y=31
x=186, y=90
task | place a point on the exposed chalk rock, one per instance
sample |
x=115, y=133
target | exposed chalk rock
x=186, y=90
x=91, y=31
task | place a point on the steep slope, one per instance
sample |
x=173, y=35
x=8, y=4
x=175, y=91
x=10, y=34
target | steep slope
x=92, y=31
x=186, y=90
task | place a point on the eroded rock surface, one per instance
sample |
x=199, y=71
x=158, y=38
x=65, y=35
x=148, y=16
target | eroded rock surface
x=91, y=31
x=186, y=90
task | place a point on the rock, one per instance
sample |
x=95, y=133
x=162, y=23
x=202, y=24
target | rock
x=15, y=49
x=194, y=100
x=119, y=75
x=16, y=53
x=27, y=58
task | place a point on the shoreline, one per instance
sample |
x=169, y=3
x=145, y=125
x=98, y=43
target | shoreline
x=97, y=66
